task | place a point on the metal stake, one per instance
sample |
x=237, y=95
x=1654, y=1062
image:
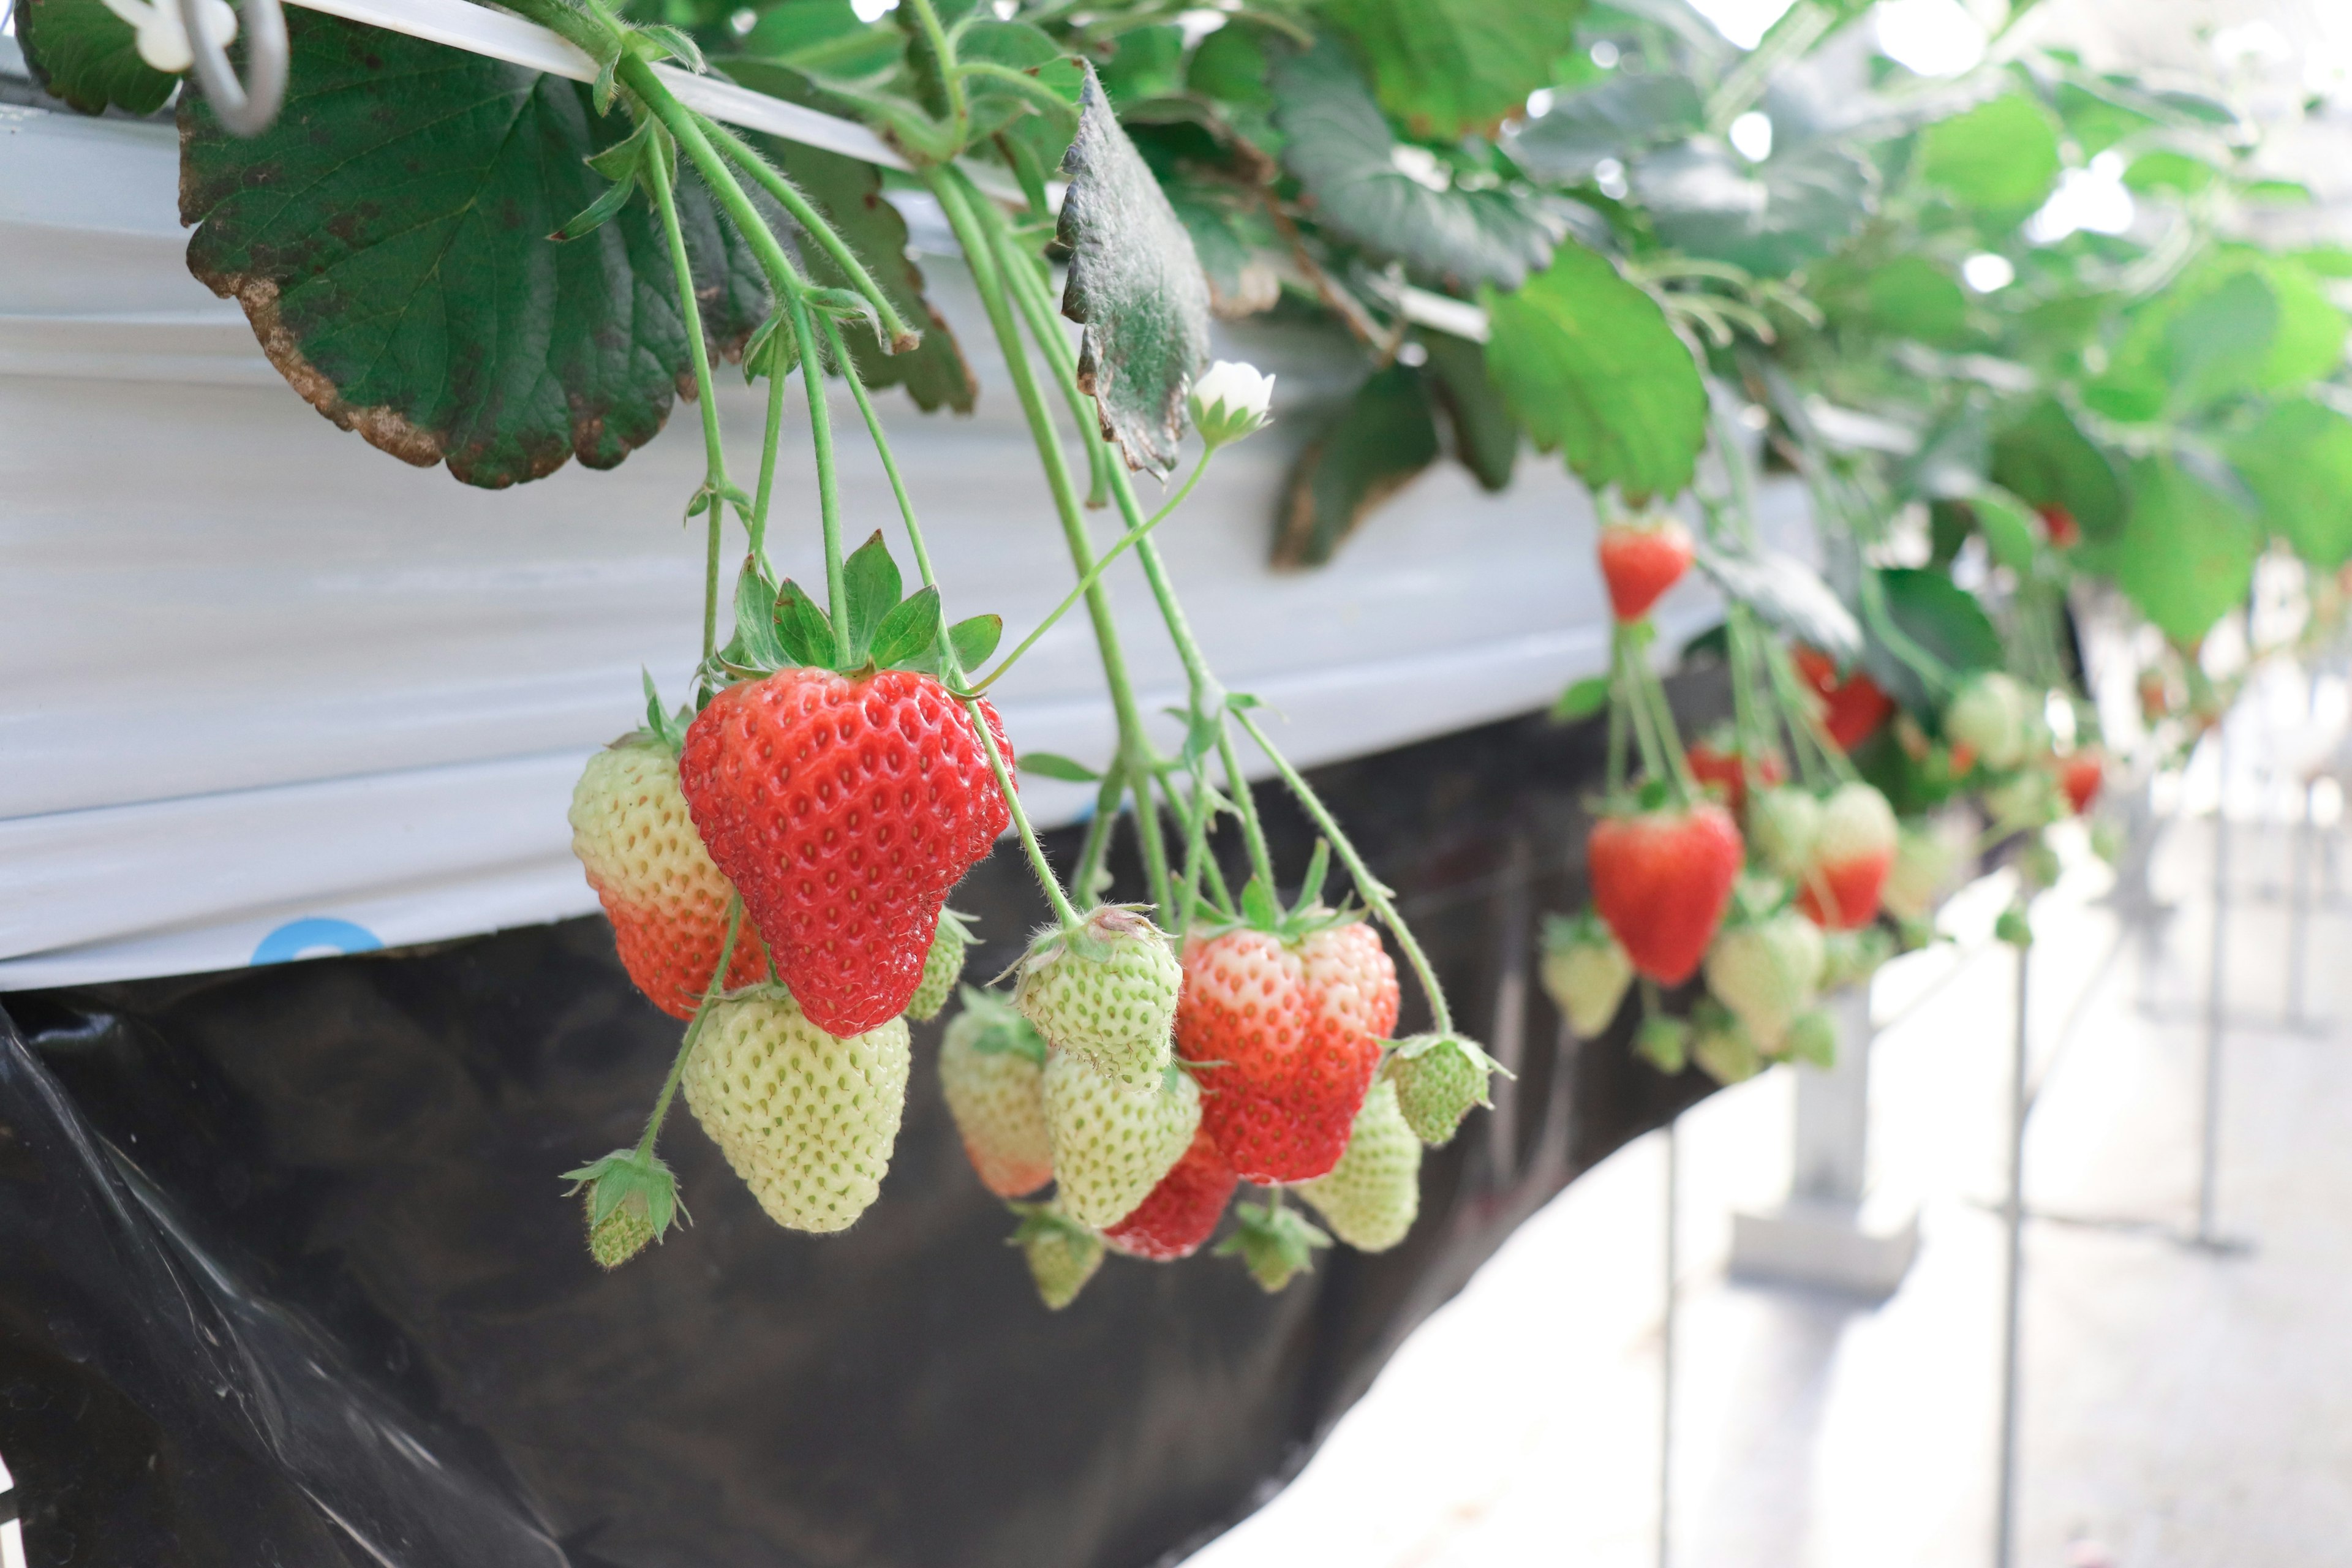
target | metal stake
x=2013, y=1286
x=1666, y=1361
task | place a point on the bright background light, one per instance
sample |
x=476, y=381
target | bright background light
x=2093, y=199
x=1744, y=22
x=1987, y=273
x=1751, y=133
x=1932, y=37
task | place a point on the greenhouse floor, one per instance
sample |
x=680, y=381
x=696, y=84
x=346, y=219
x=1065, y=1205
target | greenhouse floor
x=2183, y=1407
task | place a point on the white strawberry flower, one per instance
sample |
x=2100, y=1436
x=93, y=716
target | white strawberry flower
x=1229, y=401
x=162, y=40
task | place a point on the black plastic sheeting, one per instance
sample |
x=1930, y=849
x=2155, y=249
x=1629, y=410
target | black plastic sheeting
x=286, y=1276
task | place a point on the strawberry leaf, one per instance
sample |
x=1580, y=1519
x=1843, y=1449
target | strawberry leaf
x=1381, y=442
x=975, y=638
x=81, y=51
x=1054, y=766
x=1446, y=66
x=1581, y=701
x=909, y=633
x=1137, y=287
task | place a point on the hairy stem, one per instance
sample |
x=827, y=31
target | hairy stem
x=828, y=484
x=714, y=453
x=694, y=1030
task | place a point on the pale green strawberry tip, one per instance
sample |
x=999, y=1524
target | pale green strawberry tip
x=942, y=967
x=619, y=1234
x=1371, y=1198
x=1062, y=1255
x=1437, y=1078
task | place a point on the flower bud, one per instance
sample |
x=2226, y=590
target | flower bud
x=1231, y=401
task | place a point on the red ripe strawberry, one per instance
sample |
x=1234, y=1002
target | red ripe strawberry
x=1641, y=563
x=1727, y=769
x=1852, y=852
x=844, y=809
x=2059, y=524
x=1851, y=708
x=1297, y=1026
x=2080, y=776
x=1182, y=1211
x=1662, y=879
x=666, y=901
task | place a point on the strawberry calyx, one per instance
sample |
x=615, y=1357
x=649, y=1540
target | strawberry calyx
x=1261, y=911
x=1001, y=1030
x=1275, y=1244
x=631, y=1195
x=779, y=627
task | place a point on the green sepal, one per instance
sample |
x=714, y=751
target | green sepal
x=1003, y=1030
x=626, y=1178
x=1319, y=870
x=665, y=725
x=1665, y=1043
x=598, y=213
x=803, y=627
x=757, y=645
x=1258, y=905
x=909, y=632
x=974, y=638
x=774, y=349
x=1275, y=1244
x=673, y=42
x=2014, y=928
x=871, y=581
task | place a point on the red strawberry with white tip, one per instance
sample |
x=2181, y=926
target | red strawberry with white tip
x=1640, y=561
x=1662, y=879
x=1726, y=769
x=1852, y=851
x=1182, y=1211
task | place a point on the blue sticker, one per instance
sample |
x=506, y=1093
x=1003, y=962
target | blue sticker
x=315, y=936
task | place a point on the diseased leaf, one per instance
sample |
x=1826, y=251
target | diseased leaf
x=2298, y=463
x=1135, y=285
x=1589, y=366
x=1382, y=441
x=2042, y=457
x=1623, y=116
x=1786, y=594
x=1445, y=66
x=975, y=638
x=1054, y=766
x=2001, y=158
x=2185, y=555
x=83, y=53
x=1395, y=200
x=387, y=239
x=1485, y=437
x=1771, y=218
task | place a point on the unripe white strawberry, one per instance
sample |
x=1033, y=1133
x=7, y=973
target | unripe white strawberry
x=1781, y=827
x=1925, y=861
x=1993, y=716
x=942, y=967
x=1766, y=971
x=1722, y=1048
x=2027, y=800
x=1370, y=1198
x=806, y=1120
x=1812, y=1039
x=1105, y=992
x=992, y=1072
x=1112, y=1143
x=1585, y=971
x=1062, y=1254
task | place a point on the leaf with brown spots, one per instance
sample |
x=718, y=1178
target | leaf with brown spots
x=388, y=239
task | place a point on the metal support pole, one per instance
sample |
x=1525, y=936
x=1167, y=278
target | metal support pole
x=1666, y=1359
x=2216, y=999
x=2013, y=1285
x=2298, y=914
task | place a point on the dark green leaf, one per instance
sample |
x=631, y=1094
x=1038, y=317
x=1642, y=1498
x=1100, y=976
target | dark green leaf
x=804, y=630
x=756, y=641
x=2045, y=461
x=1771, y=218
x=1485, y=437
x=1952, y=460
x=1145, y=63
x=1015, y=46
x=1446, y=66
x=1231, y=67
x=1911, y=297
x=1349, y=163
x=1237, y=248
x=81, y=51
x=849, y=191
x=1382, y=439
x=1786, y=593
x=1940, y=616
x=870, y=580
x=909, y=633
x=1589, y=366
x=975, y=638
x=1135, y=285
x=2008, y=531
x=2185, y=555
x=387, y=238
x=2298, y=463
x=2001, y=158
x=823, y=36
x=1054, y=766
x=1622, y=117
x=1582, y=700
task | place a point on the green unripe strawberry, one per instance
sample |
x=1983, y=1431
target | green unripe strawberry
x=992, y=1073
x=1585, y=971
x=1766, y=971
x=1722, y=1048
x=1062, y=1254
x=1275, y=1244
x=1925, y=861
x=1107, y=991
x=1852, y=957
x=1993, y=716
x=807, y=1120
x=1438, y=1078
x=942, y=967
x=2026, y=800
x=1112, y=1143
x=1665, y=1043
x=631, y=1199
x=1782, y=824
x=1812, y=1039
x=1371, y=1196
x=619, y=1236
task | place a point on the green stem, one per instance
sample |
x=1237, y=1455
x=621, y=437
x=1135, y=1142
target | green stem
x=1237, y=784
x=770, y=439
x=1376, y=897
x=958, y=110
x=1046, y=880
x=694, y=1030
x=988, y=279
x=1097, y=845
x=1094, y=574
x=1027, y=86
x=1636, y=704
x=774, y=181
x=828, y=485
x=714, y=453
x=683, y=125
